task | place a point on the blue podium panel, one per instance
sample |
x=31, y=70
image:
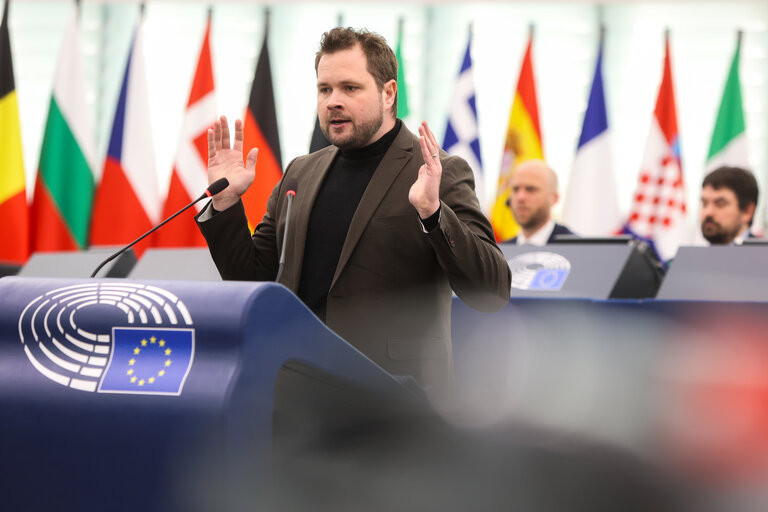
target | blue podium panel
x=126, y=395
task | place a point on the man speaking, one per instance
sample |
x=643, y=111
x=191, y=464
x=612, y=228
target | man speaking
x=383, y=225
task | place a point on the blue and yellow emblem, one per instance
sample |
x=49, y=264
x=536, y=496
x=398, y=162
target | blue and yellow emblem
x=149, y=361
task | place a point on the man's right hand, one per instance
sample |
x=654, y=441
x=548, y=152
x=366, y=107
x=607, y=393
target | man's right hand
x=227, y=162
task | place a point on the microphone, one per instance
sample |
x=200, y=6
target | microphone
x=291, y=185
x=213, y=189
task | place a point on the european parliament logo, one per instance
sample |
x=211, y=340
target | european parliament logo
x=110, y=338
x=539, y=270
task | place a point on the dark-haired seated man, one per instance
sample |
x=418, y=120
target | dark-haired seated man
x=534, y=192
x=728, y=201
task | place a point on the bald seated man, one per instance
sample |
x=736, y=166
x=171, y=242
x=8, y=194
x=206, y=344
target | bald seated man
x=533, y=193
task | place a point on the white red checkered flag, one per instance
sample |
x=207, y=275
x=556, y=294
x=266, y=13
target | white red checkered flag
x=658, y=206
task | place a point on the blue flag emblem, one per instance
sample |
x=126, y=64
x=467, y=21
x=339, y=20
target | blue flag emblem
x=149, y=361
x=549, y=279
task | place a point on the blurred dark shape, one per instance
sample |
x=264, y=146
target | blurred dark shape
x=318, y=141
x=7, y=269
x=422, y=463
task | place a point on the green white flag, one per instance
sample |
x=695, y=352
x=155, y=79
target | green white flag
x=729, y=139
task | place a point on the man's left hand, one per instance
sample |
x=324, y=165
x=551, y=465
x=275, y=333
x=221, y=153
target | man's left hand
x=425, y=192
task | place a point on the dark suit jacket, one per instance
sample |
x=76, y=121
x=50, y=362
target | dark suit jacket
x=559, y=230
x=391, y=293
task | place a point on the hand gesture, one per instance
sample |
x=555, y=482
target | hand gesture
x=425, y=192
x=226, y=162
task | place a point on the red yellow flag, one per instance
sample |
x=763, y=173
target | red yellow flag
x=523, y=142
x=14, y=214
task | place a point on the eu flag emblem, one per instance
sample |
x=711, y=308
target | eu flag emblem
x=549, y=279
x=148, y=361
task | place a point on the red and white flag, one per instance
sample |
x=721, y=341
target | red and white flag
x=190, y=176
x=658, y=206
x=127, y=200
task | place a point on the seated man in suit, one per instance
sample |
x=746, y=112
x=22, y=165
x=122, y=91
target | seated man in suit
x=534, y=192
x=384, y=224
x=728, y=201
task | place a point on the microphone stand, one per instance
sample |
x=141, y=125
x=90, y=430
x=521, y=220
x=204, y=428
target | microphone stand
x=216, y=187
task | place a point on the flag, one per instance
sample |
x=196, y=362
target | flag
x=61, y=209
x=462, y=136
x=402, y=90
x=149, y=361
x=658, y=206
x=729, y=138
x=523, y=142
x=14, y=215
x=127, y=202
x=190, y=171
x=260, y=130
x=591, y=206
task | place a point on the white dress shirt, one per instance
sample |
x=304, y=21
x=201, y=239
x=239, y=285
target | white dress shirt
x=540, y=237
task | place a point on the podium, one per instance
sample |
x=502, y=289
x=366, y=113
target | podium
x=581, y=270
x=166, y=395
x=721, y=273
x=78, y=264
x=185, y=264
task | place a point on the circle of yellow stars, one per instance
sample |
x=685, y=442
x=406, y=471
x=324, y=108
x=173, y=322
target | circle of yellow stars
x=137, y=350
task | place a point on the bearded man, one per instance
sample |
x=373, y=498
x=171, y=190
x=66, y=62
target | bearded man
x=384, y=224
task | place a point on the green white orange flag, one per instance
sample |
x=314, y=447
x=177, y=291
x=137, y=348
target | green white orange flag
x=729, y=138
x=523, y=142
x=61, y=209
x=14, y=215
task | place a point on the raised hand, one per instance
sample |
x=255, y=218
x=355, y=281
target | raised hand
x=224, y=161
x=425, y=192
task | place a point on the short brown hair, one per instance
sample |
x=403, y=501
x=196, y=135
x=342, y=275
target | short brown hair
x=741, y=181
x=381, y=60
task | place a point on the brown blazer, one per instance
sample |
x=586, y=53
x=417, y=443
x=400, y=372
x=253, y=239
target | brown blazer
x=391, y=294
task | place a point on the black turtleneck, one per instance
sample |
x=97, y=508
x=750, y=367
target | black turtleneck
x=331, y=215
